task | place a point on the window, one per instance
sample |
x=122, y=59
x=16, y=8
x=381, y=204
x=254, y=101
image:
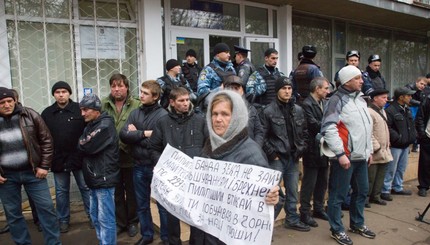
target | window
x=44, y=46
x=317, y=32
x=256, y=20
x=205, y=14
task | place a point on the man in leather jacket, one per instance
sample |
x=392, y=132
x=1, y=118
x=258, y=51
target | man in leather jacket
x=315, y=166
x=285, y=130
x=25, y=159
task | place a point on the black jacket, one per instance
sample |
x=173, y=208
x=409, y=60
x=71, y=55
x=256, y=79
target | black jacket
x=100, y=147
x=240, y=149
x=313, y=115
x=191, y=73
x=143, y=118
x=36, y=136
x=66, y=125
x=275, y=128
x=401, y=126
x=421, y=121
x=255, y=130
x=186, y=132
x=419, y=95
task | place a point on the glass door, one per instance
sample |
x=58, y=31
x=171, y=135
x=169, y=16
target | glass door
x=258, y=46
x=182, y=41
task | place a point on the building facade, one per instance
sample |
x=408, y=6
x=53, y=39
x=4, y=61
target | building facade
x=84, y=42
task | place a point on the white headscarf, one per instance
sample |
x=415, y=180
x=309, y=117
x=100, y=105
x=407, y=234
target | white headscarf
x=239, y=119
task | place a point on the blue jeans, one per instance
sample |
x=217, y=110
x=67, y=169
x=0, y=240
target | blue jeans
x=102, y=211
x=395, y=170
x=339, y=183
x=290, y=175
x=142, y=177
x=38, y=190
x=62, y=193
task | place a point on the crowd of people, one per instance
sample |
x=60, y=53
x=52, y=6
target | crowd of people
x=353, y=139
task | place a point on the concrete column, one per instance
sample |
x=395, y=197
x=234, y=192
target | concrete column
x=151, y=39
x=285, y=38
x=6, y=79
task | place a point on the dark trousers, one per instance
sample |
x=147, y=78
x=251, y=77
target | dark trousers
x=125, y=200
x=424, y=167
x=197, y=236
x=376, y=180
x=314, y=183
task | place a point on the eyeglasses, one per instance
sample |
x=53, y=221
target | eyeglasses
x=353, y=53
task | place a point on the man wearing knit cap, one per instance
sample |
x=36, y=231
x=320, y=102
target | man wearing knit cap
x=285, y=132
x=261, y=84
x=213, y=75
x=66, y=124
x=191, y=69
x=100, y=149
x=171, y=80
x=347, y=130
x=244, y=67
x=372, y=77
x=119, y=104
x=25, y=158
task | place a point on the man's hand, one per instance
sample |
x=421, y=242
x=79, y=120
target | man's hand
x=344, y=162
x=272, y=197
x=2, y=179
x=131, y=127
x=147, y=133
x=41, y=173
x=370, y=160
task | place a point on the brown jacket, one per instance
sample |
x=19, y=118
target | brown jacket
x=37, y=138
x=380, y=137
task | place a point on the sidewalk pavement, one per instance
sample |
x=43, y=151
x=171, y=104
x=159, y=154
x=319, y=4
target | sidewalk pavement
x=394, y=224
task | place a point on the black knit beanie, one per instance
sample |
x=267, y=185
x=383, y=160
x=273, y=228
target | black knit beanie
x=281, y=82
x=172, y=63
x=61, y=84
x=221, y=47
x=191, y=52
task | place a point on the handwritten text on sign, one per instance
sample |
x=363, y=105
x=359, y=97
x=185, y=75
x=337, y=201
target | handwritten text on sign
x=224, y=199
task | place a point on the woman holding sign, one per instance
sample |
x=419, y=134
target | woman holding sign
x=227, y=120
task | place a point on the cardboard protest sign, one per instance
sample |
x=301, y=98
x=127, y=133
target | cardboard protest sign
x=224, y=199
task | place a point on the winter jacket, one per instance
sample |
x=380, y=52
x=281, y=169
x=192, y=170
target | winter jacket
x=37, y=138
x=380, y=136
x=168, y=83
x=245, y=69
x=191, y=73
x=401, y=125
x=186, y=132
x=347, y=126
x=275, y=130
x=303, y=75
x=313, y=114
x=66, y=125
x=108, y=105
x=210, y=80
x=261, y=85
x=372, y=80
x=99, y=145
x=240, y=149
x=421, y=120
x=143, y=118
x=419, y=95
x=255, y=130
